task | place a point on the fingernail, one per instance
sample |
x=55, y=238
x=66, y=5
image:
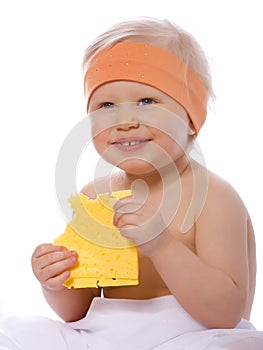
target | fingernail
x=73, y=253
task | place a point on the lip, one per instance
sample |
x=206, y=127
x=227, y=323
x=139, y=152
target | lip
x=131, y=143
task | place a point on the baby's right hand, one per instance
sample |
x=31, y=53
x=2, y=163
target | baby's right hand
x=51, y=264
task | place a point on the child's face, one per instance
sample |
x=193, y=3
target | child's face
x=137, y=127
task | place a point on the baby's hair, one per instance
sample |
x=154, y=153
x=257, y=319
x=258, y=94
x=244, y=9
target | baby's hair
x=157, y=32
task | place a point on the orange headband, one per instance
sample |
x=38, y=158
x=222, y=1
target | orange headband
x=152, y=66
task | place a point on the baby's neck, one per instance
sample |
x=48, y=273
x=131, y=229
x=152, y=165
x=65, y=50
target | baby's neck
x=170, y=173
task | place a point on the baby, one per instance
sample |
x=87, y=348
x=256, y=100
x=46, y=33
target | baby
x=147, y=85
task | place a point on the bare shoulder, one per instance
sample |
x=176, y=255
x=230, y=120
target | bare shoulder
x=222, y=227
x=221, y=195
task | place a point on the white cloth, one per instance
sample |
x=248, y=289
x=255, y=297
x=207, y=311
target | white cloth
x=117, y=324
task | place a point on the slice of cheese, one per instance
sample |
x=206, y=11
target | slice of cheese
x=105, y=258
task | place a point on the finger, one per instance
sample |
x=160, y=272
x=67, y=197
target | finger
x=127, y=206
x=130, y=200
x=57, y=281
x=139, y=197
x=52, y=258
x=56, y=269
x=47, y=248
x=122, y=201
x=136, y=234
x=131, y=232
x=121, y=220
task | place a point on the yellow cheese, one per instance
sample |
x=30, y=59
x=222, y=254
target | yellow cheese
x=105, y=258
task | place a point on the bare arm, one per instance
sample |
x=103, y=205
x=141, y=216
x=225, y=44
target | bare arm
x=212, y=285
x=51, y=264
x=70, y=304
x=209, y=294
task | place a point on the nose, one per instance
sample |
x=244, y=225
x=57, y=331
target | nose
x=127, y=117
x=127, y=126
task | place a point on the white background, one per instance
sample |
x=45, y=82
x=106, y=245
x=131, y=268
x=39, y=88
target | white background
x=41, y=100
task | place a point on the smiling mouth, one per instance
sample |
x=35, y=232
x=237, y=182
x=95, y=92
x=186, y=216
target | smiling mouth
x=131, y=144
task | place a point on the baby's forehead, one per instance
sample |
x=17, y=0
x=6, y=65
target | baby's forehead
x=125, y=92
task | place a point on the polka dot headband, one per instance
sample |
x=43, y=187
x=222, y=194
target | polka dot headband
x=152, y=66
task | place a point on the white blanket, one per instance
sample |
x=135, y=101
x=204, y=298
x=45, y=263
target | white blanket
x=117, y=324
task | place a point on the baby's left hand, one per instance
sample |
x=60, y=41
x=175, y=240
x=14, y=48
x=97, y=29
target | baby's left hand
x=142, y=223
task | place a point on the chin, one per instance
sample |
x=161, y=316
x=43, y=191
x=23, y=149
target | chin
x=136, y=167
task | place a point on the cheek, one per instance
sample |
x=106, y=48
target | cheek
x=179, y=140
x=99, y=141
x=170, y=136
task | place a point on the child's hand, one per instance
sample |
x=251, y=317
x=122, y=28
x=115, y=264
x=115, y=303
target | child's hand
x=51, y=264
x=142, y=222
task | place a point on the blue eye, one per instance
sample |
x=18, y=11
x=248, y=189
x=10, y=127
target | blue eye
x=107, y=105
x=146, y=101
